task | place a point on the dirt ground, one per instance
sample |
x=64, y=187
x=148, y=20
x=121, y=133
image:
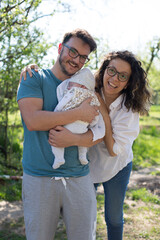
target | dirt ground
x=12, y=212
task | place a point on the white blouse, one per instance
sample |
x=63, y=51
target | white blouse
x=125, y=127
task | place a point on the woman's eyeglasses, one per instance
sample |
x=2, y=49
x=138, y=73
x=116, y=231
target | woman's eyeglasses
x=122, y=76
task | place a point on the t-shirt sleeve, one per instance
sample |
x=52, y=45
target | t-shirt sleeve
x=31, y=87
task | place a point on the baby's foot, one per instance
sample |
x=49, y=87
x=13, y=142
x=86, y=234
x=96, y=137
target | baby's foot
x=83, y=160
x=57, y=163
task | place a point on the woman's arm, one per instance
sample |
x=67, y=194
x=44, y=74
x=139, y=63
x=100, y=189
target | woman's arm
x=121, y=133
x=62, y=137
x=108, y=138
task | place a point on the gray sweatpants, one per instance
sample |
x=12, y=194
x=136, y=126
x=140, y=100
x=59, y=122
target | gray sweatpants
x=44, y=198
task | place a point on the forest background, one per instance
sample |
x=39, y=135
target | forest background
x=23, y=41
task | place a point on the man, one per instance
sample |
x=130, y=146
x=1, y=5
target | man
x=68, y=190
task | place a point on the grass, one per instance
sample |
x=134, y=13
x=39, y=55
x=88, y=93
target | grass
x=141, y=213
x=101, y=226
x=144, y=195
x=146, y=148
x=153, y=119
x=7, y=235
x=141, y=220
x=10, y=229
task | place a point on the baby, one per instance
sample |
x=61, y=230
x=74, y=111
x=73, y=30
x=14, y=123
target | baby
x=79, y=87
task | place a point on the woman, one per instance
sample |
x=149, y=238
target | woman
x=121, y=84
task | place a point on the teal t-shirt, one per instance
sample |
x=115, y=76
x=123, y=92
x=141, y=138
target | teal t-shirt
x=37, y=154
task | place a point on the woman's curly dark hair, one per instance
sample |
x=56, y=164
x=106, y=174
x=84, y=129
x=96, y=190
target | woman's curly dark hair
x=137, y=95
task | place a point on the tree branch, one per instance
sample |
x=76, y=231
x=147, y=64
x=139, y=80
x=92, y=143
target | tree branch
x=8, y=8
x=154, y=53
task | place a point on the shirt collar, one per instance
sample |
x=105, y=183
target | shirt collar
x=117, y=102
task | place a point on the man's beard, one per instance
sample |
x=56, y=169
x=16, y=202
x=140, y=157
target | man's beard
x=63, y=67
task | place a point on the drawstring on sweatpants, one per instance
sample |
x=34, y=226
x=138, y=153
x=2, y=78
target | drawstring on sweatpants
x=61, y=178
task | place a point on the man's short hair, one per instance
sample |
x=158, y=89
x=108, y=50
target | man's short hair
x=83, y=35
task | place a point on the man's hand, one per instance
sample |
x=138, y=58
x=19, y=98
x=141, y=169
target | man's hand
x=87, y=111
x=28, y=69
x=61, y=137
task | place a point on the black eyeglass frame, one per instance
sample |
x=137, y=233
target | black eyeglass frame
x=80, y=56
x=118, y=73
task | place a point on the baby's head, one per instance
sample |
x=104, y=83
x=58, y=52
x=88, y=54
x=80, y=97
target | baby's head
x=84, y=79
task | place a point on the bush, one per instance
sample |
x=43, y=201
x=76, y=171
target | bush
x=10, y=190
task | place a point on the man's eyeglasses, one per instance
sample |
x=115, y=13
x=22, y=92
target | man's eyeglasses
x=122, y=76
x=74, y=54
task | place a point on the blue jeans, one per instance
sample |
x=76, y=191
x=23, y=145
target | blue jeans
x=114, y=191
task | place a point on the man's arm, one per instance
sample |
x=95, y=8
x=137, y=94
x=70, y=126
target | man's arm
x=62, y=137
x=38, y=120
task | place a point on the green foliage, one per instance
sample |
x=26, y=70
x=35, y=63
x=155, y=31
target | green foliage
x=151, y=61
x=153, y=119
x=10, y=230
x=10, y=190
x=100, y=199
x=144, y=195
x=125, y=206
x=155, y=108
x=153, y=77
x=155, y=173
x=101, y=226
x=14, y=141
x=146, y=148
x=152, y=131
x=21, y=42
x=97, y=56
x=7, y=235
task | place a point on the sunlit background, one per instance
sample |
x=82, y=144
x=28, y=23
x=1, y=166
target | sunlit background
x=26, y=37
x=121, y=24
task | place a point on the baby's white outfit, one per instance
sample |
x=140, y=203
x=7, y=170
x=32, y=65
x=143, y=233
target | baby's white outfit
x=69, y=99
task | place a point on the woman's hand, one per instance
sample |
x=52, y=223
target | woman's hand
x=28, y=69
x=61, y=137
